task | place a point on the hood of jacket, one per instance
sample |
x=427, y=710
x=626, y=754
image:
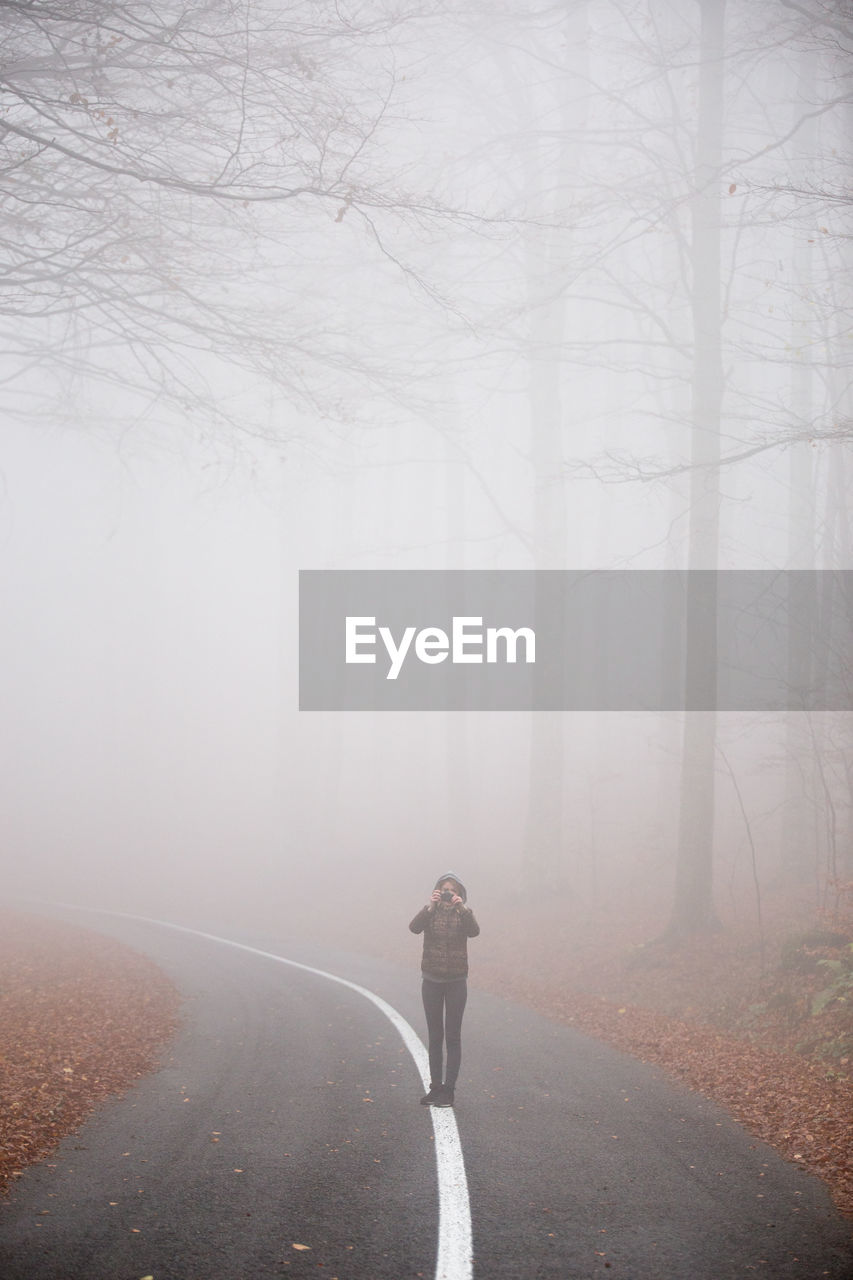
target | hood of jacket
x=451, y=875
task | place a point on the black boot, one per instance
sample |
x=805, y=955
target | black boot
x=445, y=1096
x=431, y=1098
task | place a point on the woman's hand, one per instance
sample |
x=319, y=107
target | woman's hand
x=434, y=897
x=456, y=900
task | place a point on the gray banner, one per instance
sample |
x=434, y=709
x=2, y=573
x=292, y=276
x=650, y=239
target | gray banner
x=427, y=640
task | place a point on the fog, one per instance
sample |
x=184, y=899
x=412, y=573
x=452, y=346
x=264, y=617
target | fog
x=561, y=287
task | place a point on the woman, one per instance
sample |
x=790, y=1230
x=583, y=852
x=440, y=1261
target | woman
x=447, y=924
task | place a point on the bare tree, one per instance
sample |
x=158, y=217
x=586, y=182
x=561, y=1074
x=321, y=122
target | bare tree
x=687, y=181
x=171, y=175
x=693, y=906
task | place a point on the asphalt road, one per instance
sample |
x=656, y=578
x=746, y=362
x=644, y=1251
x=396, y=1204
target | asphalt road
x=286, y=1113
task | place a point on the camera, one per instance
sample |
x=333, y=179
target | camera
x=446, y=895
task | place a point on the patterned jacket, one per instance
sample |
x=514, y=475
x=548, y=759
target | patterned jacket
x=446, y=929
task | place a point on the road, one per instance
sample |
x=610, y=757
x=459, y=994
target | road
x=286, y=1113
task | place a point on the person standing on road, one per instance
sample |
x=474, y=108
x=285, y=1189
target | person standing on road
x=447, y=924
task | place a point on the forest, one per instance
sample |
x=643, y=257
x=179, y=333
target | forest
x=378, y=285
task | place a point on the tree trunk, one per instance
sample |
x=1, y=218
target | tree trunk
x=456, y=722
x=545, y=855
x=798, y=825
x=693, y=904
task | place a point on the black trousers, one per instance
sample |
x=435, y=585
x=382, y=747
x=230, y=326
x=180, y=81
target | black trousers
x=444, y=1005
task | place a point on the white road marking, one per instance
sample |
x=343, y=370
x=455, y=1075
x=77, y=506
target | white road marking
x=455, y=1252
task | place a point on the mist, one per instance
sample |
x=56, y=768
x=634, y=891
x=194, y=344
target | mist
x=526, y=287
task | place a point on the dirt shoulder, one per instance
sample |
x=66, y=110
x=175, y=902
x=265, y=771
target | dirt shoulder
x=81, y=1019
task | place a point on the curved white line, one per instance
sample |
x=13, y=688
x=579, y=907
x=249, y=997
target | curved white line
x=455, y=1253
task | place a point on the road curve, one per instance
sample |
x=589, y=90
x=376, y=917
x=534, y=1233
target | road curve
x=286, y=1114
x=453, y=1251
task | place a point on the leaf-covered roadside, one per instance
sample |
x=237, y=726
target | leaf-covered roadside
x=793, y=1105
x=81, y=1019
x=762, y=1027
